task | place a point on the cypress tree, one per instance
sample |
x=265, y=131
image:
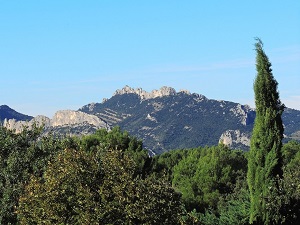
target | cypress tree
x=265, y=158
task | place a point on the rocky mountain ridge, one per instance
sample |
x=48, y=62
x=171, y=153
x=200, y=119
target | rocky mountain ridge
x=61, y=119
x=165, y=119
x=163, y=91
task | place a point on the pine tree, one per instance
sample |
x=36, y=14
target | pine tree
x=265, y=159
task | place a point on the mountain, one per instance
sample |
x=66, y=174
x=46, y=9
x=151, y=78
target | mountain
x=7, y=113
x=165, y=119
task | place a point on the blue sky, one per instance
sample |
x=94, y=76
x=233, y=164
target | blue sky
x=64, y=54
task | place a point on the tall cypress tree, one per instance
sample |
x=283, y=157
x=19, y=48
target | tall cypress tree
x=265, y=159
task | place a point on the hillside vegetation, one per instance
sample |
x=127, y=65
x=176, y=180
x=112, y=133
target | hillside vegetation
x=108, y=177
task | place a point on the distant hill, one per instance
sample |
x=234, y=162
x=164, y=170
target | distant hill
x=7, y=113
x=165, y=119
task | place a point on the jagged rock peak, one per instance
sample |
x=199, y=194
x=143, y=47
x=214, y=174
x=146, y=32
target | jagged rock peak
x=163, y=91
x=185, y=91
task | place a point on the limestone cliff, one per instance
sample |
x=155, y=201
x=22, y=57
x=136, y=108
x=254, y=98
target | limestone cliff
x=18, y=126
x=60, y=119
x=235, y=138
x=163, y=91
x=245, y=114
x=70, y=117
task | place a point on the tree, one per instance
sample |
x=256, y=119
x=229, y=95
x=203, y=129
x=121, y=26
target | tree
x=207, y=174
x=127, y=199
x=115, y=139
x=79, y=187
x=161, y=166
x=290, y=209
x=22, y=155
x=66, y=194
x=234, y=208
x=265, y=158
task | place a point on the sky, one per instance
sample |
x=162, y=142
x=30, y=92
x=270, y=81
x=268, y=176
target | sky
x=62, y=54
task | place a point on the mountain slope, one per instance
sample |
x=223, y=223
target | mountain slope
x=7, y=113
x=170, y=120
x=165, y=119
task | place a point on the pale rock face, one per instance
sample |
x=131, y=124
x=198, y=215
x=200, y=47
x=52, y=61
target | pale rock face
x=18, y=126
x=163, y=91
x=231, y=137
x=242, y=112
x=61, y=118
x=12, y=124
x=41, y=120
x=70, y=117
x=149, y=117
x=185, y=91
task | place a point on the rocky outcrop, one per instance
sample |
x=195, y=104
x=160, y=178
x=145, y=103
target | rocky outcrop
x=70, y=117
x=13, y=124
x=235, y=138
x=60, y=119
x=18, y=126
x=163, y=91
x=245, y=114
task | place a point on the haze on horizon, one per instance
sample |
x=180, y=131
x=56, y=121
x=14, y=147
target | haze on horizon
x=65, y=54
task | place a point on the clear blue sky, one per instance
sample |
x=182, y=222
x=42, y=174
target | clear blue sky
x=65, y=54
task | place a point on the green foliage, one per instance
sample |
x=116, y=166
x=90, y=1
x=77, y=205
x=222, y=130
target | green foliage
x=233, y=211
x=162, y=165
x=131, y=200
x=21, y=155
x=115, y=139
x=183, y=179
x=265, y=159
x=290, y=184
x=235, y=207
x=97, y=187
x=206, y=174
x=66, y=194
x=289, y=150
